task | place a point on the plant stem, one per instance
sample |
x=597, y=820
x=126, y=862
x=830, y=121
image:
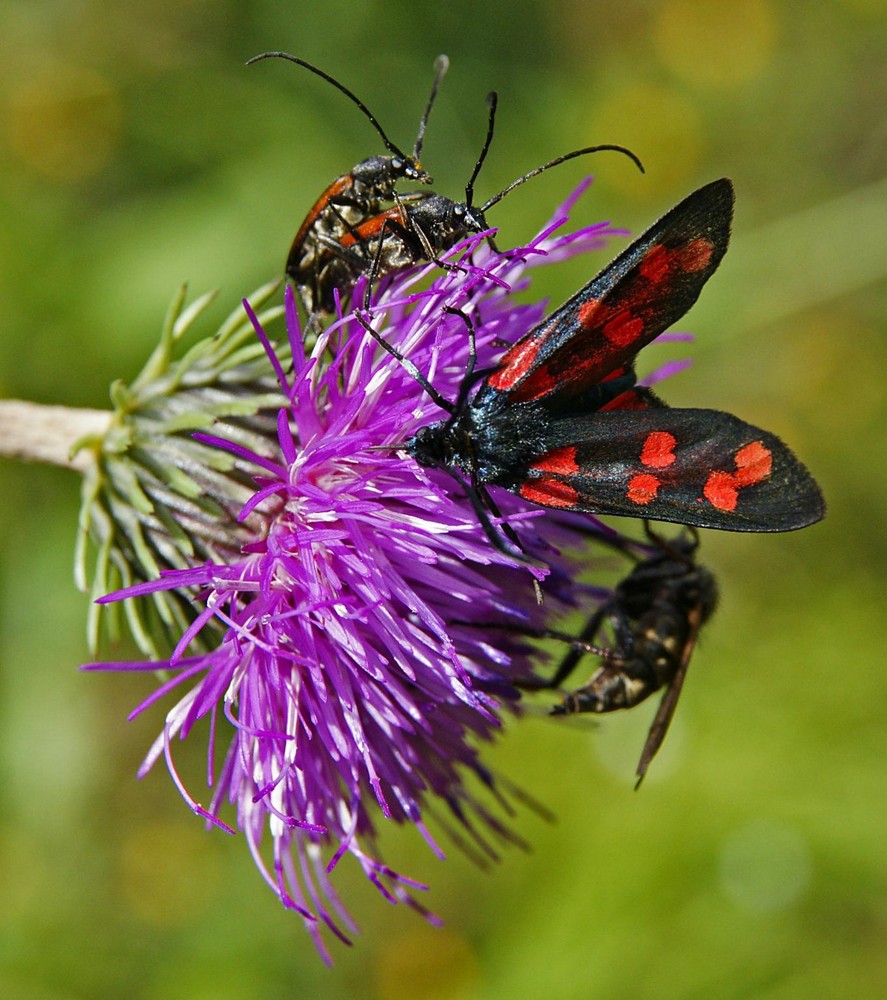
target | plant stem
x=33, y=432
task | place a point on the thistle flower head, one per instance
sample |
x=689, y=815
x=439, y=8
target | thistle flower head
x=370, y=633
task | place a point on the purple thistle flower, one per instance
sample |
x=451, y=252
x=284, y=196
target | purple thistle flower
x=372, y=634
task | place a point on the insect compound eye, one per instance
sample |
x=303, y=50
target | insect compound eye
x=398, y=165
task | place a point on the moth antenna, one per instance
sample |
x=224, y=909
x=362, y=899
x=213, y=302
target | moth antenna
x=389, y=145
x=441, y=65
x=558, y=160
x=492, y=102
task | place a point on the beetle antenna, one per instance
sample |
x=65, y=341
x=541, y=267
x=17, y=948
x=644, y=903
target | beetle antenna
x=441, y=65
x=492, y=102
x=558, y=160
x=389, y=145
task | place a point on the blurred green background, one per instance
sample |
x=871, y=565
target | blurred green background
x=138, y=152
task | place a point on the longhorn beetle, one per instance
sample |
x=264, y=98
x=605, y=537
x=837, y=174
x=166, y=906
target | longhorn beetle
x=420, y=225
x=358, y=194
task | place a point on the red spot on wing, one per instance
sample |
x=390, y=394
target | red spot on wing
x=560, y=460
x=695, y=256
x=549, y=492
x=516, y=362
x=658, y=450
x=655, y=264
x=754, y=463
x=658, y=262
x=642, y=488
x=628, y=400
x=623, y=329
x=636, y=398
x=587, y=311
x=540, y=383
x=543, y=380
x=721, y=491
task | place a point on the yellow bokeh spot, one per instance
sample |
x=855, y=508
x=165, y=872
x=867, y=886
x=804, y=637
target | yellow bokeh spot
x=718, y=44
x=435, y=964
x=65, y=122
x=662, y=127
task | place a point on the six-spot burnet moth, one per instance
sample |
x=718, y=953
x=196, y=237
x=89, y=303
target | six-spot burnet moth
x=353, y=197
x=560, y=421
x=655, y=614
x=419, y=226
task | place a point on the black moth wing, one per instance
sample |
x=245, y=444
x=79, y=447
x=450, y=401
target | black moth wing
x=697, y=467
x=652, y=283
